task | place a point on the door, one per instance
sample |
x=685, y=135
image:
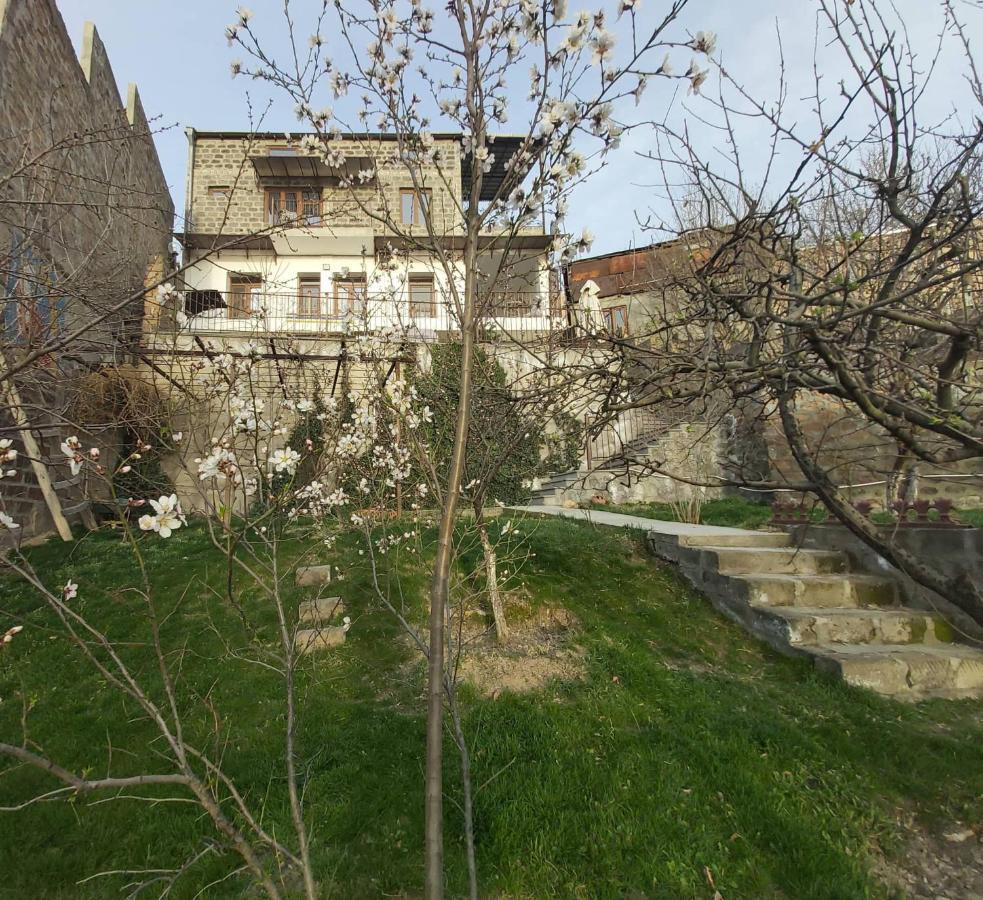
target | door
x=244, y=295
x=309, y=298
x=349, y=296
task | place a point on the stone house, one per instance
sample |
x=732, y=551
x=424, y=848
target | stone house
x=283, y=242
x=85, y=221
x=300, y=257
x=640, y=294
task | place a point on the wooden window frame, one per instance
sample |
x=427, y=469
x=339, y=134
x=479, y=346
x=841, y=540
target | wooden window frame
x=304, y=310
x=417, y=207
x=608, y=314
x=426, y=309
x=353, y=283
x=302, y=217
x=247, y=282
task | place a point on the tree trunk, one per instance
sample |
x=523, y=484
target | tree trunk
x=960, y=591
x=439, y=590
x=491, y=576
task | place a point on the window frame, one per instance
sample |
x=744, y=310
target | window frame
x=417, y=307
x=356, y=285
x=250, y=284
x=417, y=209
x=301, y=217
x=609, y=314
x=313, y=311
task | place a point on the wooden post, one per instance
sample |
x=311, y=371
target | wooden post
x=34, y=453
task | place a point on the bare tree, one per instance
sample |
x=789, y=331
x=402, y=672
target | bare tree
x=831, y=292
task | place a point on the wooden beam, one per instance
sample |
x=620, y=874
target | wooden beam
x=34, y=454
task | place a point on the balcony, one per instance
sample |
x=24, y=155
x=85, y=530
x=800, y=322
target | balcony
x=312, y=314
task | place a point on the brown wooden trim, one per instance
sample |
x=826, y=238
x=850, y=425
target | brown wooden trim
x=418, y=217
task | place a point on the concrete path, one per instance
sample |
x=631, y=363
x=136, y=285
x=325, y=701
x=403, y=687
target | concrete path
x=599, y=517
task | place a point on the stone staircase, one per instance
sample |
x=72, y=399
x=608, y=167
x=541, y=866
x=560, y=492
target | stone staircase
x=630, y=463
x=806, y=602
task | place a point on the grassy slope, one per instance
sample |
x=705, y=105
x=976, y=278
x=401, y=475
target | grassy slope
x=688, y=745
x=738, y=513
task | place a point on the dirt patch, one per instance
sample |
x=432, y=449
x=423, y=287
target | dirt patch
x=948, y=866
x=540, y=648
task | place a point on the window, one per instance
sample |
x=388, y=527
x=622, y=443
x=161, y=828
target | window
x=422, y=303
x=285, y=205
x=219, y=191
x=244, y=295
x=309, y=297
x=349, y=294
x=616, y=320
x=283, y=150
x=33, y=312
x=412, y=205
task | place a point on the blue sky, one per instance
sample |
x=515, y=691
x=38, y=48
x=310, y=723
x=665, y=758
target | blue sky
x=177, y=54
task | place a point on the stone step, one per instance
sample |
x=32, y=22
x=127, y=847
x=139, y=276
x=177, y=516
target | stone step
x=749, y=539
x=850, y=590
x=912, y=672
x=322, y=610
x=776, y=560
x=309, y=640
x=311, y=576
x=809, y=627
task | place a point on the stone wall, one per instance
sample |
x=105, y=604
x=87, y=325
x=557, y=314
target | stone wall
x=227, y=196
x=85, y=218
x=861, y=457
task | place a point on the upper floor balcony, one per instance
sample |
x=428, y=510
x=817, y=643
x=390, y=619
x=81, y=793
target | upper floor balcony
x=415, y=313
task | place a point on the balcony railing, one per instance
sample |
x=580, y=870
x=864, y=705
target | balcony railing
x=251, y=311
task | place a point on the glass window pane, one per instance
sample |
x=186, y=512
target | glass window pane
x=406, y=211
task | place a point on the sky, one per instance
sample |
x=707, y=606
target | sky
x=177, y=54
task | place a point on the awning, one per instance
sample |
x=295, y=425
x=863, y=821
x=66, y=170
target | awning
x=311, y=169
x=503, y=148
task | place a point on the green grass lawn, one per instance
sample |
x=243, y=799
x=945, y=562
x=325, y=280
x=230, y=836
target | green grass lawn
x=687, y=747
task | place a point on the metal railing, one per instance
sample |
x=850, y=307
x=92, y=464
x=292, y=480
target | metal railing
x=349, y=311
x=623, y=437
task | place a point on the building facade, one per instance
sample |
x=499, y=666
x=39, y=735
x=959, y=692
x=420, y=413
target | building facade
x=283, y=242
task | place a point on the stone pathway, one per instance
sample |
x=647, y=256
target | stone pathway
x=808, y=603
x=599, y=517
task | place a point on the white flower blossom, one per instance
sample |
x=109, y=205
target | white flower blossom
x=705, y=42
x=9, y=634
x=7, y=522
x=284, y=461
x=72, y=450
x=602, y=44
x=70, y=591
x=167, y=519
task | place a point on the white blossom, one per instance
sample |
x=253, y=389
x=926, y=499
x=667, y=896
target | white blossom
x=70, y=591
x=7, y=522
x=167, y=519
x=602, y=44
x=284, y=460
x=9, y=634
x=705, y=42
x=72, y=450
